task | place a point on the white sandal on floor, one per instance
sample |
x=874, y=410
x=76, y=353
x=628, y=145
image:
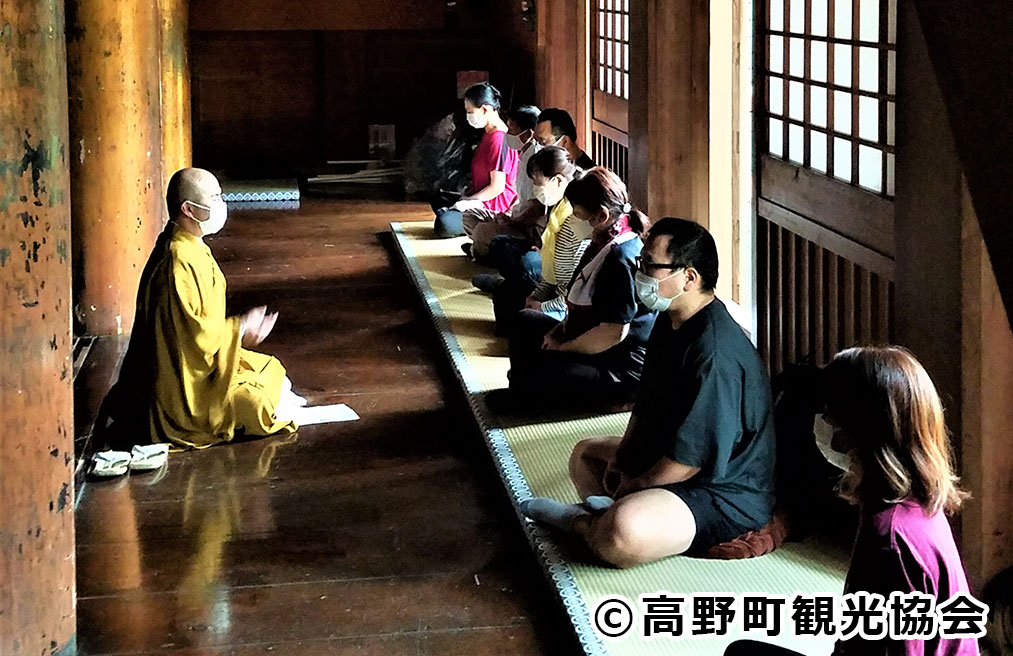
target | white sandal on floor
x=148, y=457
x=108, y=464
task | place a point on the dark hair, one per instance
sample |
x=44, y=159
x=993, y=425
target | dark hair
x=598, y=188
x=482, y=94
x=562, y=122
x=525, y=116
x=550, y=162
x=886, y=403
x=690, y=245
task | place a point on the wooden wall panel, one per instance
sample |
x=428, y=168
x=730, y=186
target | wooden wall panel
x=221, y=15
x=277, y=99
x=812, y=302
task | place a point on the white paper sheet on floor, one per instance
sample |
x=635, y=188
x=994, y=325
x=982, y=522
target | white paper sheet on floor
x=322, y=414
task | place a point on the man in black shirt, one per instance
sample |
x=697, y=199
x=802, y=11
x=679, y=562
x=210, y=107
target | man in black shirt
x=696, y=465
x=555, y=127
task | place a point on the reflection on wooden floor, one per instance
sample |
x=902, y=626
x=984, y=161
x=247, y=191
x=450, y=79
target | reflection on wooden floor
x=389, y=535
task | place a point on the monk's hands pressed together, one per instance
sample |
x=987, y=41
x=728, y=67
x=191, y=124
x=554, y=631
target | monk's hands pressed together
x=256, y=325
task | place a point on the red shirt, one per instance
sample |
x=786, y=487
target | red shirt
x=493, y=155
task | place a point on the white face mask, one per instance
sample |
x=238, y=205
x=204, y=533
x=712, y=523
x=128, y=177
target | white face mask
x=547, y=194
x=218, y=211
x=476, y=120
x=647, y=292
x=581, y=229
x=514, y=141
x=824, y=433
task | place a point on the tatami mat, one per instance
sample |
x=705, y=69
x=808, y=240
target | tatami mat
x=532, y=460
x=260, y=191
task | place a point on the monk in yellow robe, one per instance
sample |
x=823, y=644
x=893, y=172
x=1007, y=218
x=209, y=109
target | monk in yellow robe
x=188, y=377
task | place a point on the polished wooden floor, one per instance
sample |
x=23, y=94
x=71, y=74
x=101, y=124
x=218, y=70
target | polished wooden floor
x=390, y=535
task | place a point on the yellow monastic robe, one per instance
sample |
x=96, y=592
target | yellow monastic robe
x=194, y=385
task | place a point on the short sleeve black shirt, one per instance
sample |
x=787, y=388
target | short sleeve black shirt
x=705, y=402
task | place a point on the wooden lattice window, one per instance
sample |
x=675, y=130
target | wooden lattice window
x=612, y=33
x=830, y=88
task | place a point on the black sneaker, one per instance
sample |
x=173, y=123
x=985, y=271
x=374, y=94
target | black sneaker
x=466, y=248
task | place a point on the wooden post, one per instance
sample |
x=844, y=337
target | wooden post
x=669, y=108
x=177, y=148
x=115, y=154
x=563, y=68
x=987, y=354
x=37, y=449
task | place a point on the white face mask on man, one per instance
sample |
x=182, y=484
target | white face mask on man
x=218, y=212
x=516, y=141
x=648, y=293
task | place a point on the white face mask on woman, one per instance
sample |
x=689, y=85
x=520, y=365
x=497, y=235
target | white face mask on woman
x=476, y=120
x=824, y=434
x=549, y=193
x=218, y=211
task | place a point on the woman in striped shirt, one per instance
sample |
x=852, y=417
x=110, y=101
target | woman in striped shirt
x=557, y=251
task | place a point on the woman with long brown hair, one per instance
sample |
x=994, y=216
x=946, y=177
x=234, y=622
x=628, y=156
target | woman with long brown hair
x=597, y=351
x=884, y=416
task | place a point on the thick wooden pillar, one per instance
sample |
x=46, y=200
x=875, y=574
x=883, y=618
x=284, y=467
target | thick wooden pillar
x=37, y=448
x=669, y=107
x=116, y=161
x=177, y=148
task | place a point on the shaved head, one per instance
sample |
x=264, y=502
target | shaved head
x=194, y=185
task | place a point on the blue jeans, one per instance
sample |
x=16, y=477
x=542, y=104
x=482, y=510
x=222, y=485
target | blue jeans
x=516, y=259
x=449, y=223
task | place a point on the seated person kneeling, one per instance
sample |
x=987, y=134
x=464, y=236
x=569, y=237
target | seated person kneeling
x=596, y=352
x=493, y=166
x=186, y=378
x=524, y=263
x=884, y=423
x=526, y=217
x=696, y=465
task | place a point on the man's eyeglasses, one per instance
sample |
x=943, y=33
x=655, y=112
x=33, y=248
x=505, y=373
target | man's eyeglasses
x=646, y=266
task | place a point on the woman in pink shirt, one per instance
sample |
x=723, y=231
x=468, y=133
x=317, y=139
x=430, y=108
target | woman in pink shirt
x=493, y=166
x=885, y=424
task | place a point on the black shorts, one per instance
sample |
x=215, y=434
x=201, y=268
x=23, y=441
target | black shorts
x=712, y=526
